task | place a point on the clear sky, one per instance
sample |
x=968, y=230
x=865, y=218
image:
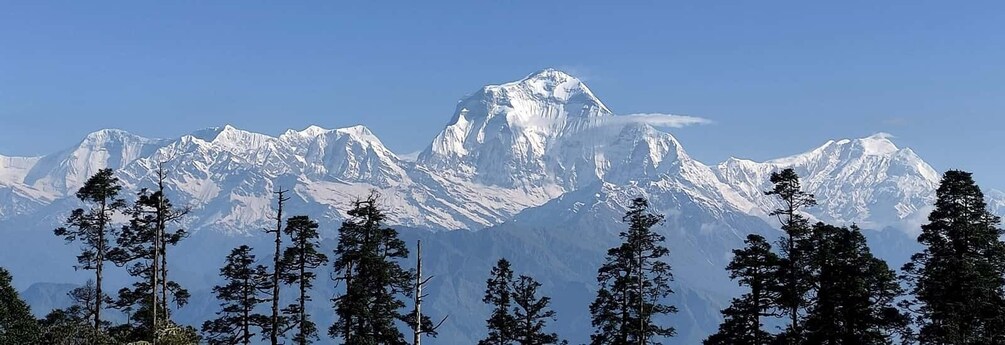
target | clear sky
x=776, y=77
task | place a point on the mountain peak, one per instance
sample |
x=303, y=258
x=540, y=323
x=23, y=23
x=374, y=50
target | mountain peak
x=551, y=74
x=313, y=131
x=878, y=144
x=108, y=134
x=357, y=130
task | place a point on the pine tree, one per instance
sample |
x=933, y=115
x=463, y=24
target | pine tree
x=239, y=298
x=166, y=213
x=531, y=314
x=854, y=292
x=276, y=320
x=141, y=248
x=957, y=279
x=366, y=262
x=793, y=270
x=17, y=325
x=92, y=228
x=756, y=268
x=501, y=323
x=634, y=281
x=298, y=264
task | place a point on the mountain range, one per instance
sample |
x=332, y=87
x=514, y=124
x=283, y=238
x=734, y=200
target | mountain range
x=538, y=170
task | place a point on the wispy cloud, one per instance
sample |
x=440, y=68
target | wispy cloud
x=658, y=120
x=883, y=135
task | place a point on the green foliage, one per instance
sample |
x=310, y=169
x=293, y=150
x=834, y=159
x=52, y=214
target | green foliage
x=957, y=280
x=298, y=264
x=755, y=267
x=140, y=248
x=519, y=316
x=531, y=314
x=793, y=268
x=501, y=323
x=71, y=326
x=169, y=333
x=367, y=264
x=634, y=281
x=92, y=228
x=17, y=325
x=854, y=292
x=238, y=297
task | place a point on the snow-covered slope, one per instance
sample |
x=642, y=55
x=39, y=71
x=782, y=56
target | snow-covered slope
x=540, y=165
x=869, y=181
x=507, y=148
x=502, y=134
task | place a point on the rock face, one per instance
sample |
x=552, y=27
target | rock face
x=540, y=169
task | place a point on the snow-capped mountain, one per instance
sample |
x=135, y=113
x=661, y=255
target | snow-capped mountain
x=507, y=148
x=868, y=181
x=539, y=166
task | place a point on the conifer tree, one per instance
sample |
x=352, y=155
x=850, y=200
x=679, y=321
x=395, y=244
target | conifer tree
x=239, y=297
x=957, y=279
x=854, y=293
x=92, y=227
x=501, y=323
x=634, y=282
x=367, y=264
x=793, y=271
x=276, y=320
x=141, y=249
x=72, y=325
x=298, y=264
x=166, y=213
x=756, y=268
x=531, y=314
x=17, y=325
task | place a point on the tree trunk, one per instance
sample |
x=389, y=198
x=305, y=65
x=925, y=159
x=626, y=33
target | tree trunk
x=303, y=299
x=418, y=294
x=274, y=332
x=100, y=258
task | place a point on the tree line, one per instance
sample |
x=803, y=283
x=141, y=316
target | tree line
x=816, y=284
x=822, y=285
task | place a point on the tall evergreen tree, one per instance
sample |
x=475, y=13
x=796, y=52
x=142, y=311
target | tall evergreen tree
x=957, y=279
x=166, y=213
x=854, y=293
x=276, y=320
x=17, y=325
x=793, y=267
x=93, y=229
x=756, y=268
x=531, y=314
x=141, y=249
x=239, y=297
x=634, y=282
x=501, y=323
x=298, y=264
x=366, y=262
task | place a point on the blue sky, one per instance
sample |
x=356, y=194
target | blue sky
x=776, y=77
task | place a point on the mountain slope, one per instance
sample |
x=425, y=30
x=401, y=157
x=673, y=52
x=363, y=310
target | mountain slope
x=868, y=181
x=539, y=170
